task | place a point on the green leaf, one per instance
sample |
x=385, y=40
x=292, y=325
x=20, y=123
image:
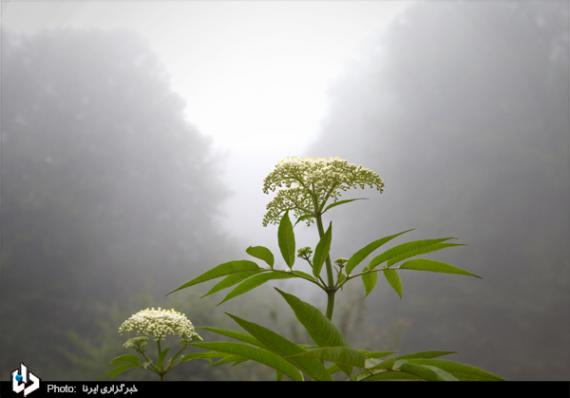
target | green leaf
x=460, y=370
x=234, y=334
x=257, y=354
x=229, y=359
x=389, y=363
x=322, y=331
x=341, y=202
x=339, y=355
x=284, y=347
x=119, y=370
x=424, y=264
x=230, y=281
x=322, y=251
x=391, y=375
x=361, y=254
x=124, y=363
x=286, y=238
x=422, y=250
x=369, y=279
x=426, y=354
x=208, y=355
x=377, y=354
x=303, y=275
x=254, y=281
x=408, y=247
x=262, y=253
x=426, y=372
x=224, y=269
x=333, y=369
x=126, y=359
x=394, y=280
x=267, y=337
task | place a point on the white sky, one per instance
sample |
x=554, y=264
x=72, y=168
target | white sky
x=254, y=74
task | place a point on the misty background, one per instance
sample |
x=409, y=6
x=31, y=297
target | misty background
x=135, y=137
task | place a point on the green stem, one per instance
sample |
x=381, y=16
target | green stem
x=175, y=357
x=367, y=272
x=160, y=371
x=151, y=364
x=330, y=304
x=331, y=290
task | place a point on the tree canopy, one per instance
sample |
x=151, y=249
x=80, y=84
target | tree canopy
x=106, y=188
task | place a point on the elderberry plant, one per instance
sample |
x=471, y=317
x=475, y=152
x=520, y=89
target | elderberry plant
x=308, y=188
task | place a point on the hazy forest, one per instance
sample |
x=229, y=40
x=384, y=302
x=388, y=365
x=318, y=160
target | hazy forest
x=112, y=196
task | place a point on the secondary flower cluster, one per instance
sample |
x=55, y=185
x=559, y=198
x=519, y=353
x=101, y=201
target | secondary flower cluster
x=157, y=323
x=305, y=185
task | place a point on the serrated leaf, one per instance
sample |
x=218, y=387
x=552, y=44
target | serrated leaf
x=231, y=267
x=424, y=264
x=322, y=251
x=257, y=354
x=341, y=202
x=322, y=330
x=234, y=334
x=286, y=238
x=389, y=363
x=230, y=281
x=284, y=347
x=364, y=252
x=460, y=370
x=338, y=355
x=394, y=280
x=426, y=372
x=254, y=281
x=369, y=279
x=262, y=253
x=407, y=247
x=391, y=375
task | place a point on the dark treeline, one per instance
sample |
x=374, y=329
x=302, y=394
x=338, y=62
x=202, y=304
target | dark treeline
x=463, y=109
x=107, y=191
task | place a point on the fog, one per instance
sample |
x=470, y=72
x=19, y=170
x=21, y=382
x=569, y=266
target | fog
x=135, y=138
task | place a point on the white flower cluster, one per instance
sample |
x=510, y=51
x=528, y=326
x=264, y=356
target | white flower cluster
x=158, y=323
x=305, y=185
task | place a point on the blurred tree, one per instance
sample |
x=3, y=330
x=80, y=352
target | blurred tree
x=106, y=188
x=463, y=109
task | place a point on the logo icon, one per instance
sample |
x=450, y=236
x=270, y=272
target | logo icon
x=20, y=379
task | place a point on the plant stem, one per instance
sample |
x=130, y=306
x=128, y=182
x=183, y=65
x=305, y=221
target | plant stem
x=160, y=370
x=330, y=304
x=331, y=290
